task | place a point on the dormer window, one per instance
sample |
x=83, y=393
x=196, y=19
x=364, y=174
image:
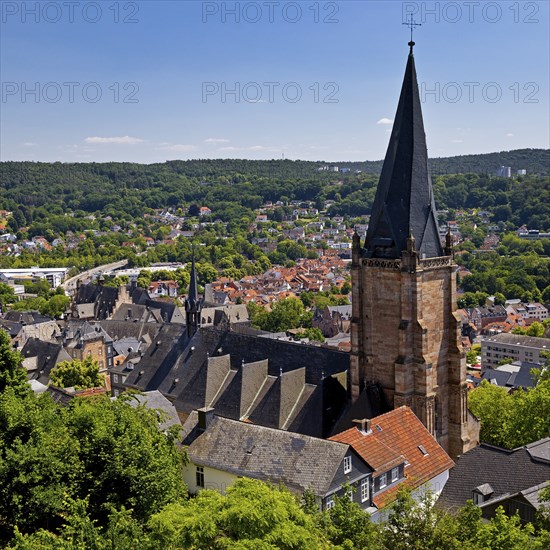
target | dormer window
x=383, y=480
x=347, y=464
x=482, y=493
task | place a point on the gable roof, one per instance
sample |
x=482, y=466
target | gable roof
x=26, y=317
x=39, y=358
x=507, y=471
x=299, y=461
x=394, y=438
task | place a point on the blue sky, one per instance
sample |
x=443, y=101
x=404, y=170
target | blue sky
x=157, y=80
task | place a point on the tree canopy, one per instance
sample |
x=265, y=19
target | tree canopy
x=513, y=419
x=77, y=374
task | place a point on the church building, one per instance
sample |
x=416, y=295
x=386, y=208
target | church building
x=405, y=333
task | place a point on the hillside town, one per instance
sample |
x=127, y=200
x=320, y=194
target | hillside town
x=261, y=289
x=367, y=401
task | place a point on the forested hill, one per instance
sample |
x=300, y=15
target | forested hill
x=535, y=161
x=234, y=189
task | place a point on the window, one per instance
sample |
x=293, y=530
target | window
x=116, y=378
x=478, y=499
x=200, y=476
x=365, y=489
x=383, y=480
x=347, y=464
x=394, y=474
x=329, y=503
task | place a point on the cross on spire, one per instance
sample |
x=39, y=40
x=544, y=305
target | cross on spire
x=411, y=23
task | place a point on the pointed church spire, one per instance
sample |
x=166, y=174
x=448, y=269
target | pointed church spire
x=193, y=304
x=193, y=293
x=404, y=203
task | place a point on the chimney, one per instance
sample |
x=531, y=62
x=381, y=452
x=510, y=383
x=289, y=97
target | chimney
x=206, y=415
x=363, y=425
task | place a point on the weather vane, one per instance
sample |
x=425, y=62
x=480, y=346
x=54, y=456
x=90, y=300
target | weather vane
x=411, y=24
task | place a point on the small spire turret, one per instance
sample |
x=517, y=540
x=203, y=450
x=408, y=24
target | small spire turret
x=193, y=305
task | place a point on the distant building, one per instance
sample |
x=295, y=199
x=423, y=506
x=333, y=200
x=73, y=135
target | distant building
x=512, y=375
x=54, y=275
x=526, y=349
x=532, y=234
x=504, y=172
x=522, y=172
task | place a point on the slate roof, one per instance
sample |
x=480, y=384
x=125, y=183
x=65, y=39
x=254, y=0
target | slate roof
x=158, y=358
x=26, y=317
x=13, y=328
x=404, y=201
x=40, y=357
x=156, y=401
x=117, y=330
x=394, y=438
x=514, y=375
x=507, y=471
x=103, y=297
x=309, y=403
x=300, y=462
x=137, y=313
x=125, y=346
x=519, y=339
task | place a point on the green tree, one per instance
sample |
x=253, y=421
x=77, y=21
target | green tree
x=349, y=525
x=126, y=461
x=39, y=463
x=7, y=295
x=12, y=375
x=286, y=314
x=491, y=404
x=56, y=306
x=417, y=525
x=472, y=355
x=536, y=329
x=77, y=374
x=513, y=420
x=506, y=533
x=252, y=515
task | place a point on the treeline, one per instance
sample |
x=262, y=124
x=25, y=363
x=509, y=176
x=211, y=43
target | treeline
x=40, y=194
x=518, y=269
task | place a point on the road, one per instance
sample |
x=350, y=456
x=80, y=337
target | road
x=69, y=286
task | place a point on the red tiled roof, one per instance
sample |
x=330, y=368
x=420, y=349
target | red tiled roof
x=398, y=440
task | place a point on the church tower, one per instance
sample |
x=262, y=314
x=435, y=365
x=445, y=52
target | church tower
x=193, y=305
x=405, y=334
